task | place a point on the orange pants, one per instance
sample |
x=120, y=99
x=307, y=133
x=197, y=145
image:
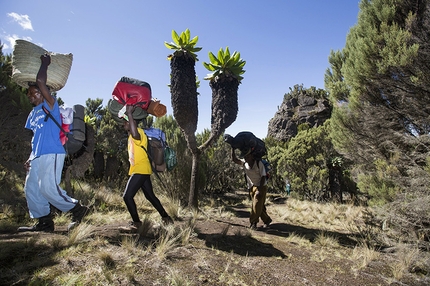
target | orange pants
x=258, y=209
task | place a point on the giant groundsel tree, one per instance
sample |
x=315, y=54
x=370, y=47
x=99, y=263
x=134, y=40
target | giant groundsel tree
x=227, y=70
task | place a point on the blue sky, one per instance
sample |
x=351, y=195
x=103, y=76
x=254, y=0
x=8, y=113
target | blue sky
x=283, y=42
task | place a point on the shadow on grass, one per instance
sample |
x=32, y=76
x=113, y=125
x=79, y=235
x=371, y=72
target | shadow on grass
x=242, y=245
x=284, y=230
x=19, y=260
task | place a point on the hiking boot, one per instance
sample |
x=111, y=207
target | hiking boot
x=253, y=226
x=167, y=220
x=78, y=213
x=45, y=224
x=266, y=224
x=132, y=227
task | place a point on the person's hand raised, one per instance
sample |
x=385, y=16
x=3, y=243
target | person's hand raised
x=130, y=109
x=46, y=59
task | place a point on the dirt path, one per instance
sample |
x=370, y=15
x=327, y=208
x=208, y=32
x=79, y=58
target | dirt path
x=224, y=251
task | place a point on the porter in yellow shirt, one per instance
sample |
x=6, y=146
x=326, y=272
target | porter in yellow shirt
x=137, y=156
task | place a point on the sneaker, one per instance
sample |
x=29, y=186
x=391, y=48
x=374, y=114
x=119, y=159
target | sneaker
x=78, y=213
x=133, y=226
x=167, y=220
x=266, y=224
x=45, y=224
x=253, y=226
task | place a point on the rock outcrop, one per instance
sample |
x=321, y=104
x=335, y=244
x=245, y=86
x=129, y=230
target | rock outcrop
x=300, y=106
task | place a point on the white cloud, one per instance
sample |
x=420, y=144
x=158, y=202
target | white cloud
x=22, y=20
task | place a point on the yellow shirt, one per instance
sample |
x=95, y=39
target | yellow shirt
x=138, y=158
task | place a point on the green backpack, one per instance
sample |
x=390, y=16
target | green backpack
x=170, y=158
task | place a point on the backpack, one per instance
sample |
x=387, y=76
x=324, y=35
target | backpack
x=170, y=158
x=267, y=167
x=247, y=140
x=162, y=157
x=72, y=127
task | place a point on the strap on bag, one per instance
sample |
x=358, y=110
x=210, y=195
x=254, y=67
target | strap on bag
x=55, y=121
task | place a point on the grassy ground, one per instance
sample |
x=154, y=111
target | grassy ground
x=307, y=244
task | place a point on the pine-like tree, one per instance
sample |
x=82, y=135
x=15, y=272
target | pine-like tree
x=379, y=85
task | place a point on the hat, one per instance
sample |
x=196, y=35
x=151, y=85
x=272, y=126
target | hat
x=244, y=152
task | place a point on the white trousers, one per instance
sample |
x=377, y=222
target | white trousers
x=42, y=186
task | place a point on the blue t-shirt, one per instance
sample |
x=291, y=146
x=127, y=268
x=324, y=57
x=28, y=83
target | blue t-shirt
x=46, y=134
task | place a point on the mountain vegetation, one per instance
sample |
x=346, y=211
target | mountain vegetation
x=379, y=87
x=362, y=143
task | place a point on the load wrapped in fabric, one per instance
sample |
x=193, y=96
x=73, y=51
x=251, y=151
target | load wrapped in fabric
x=114, y=108
x=66, y=120
x=247, y=143
x=130, y=91
x=26, y=64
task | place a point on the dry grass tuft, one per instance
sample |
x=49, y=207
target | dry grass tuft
x=362, y=255
x=406, y=257
x=298, y=239
x=130, y=243
x=173, y=208
x=81, y=233
x=177, y=278
x=107, y=259
x=185, y=235
x=165, y=243
x=325, y=240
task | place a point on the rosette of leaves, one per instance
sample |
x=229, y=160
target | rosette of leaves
x=183, y=44
x=227, y=70
x=183, y=87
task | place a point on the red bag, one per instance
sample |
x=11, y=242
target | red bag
x=132, y=91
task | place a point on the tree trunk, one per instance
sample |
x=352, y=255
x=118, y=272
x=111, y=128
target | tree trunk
x=193, y=199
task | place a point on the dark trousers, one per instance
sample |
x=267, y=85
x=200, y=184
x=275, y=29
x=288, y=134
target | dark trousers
x=258, y=208
x=136, y=182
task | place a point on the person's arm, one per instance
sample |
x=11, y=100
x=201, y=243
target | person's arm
x=133, y=126
x=263, y=177
x=262, y=172
x=263, y=181
x=234, y=158
x=42, y=77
